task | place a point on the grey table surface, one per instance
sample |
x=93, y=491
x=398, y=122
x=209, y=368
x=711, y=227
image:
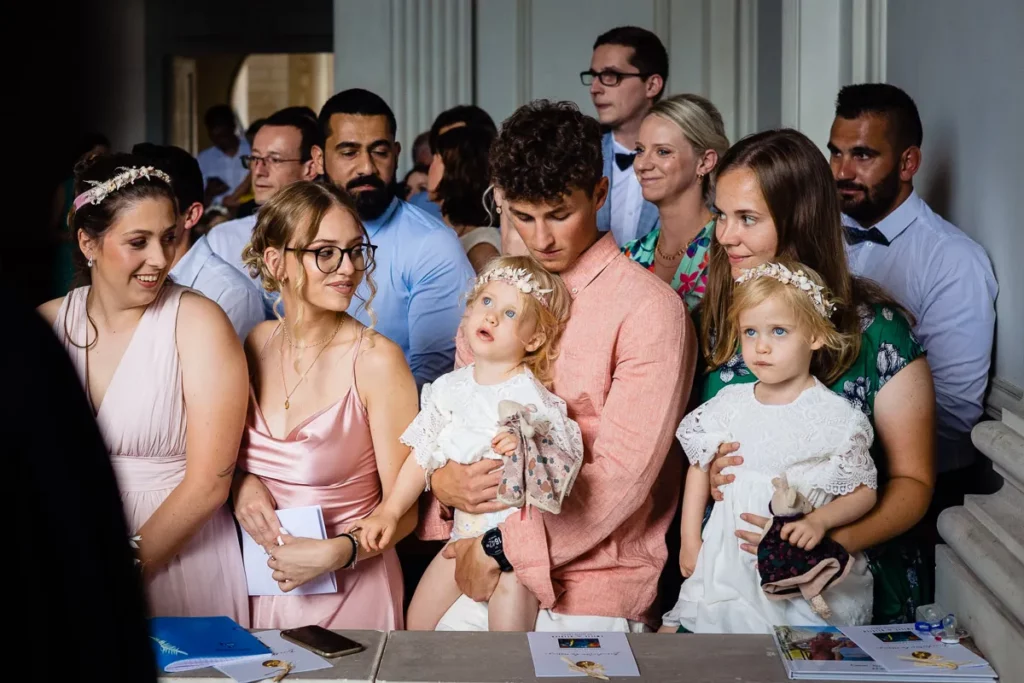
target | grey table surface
x=357, y=668
x=449, y=657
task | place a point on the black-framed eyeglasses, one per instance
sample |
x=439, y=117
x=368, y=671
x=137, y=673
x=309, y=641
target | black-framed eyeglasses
x=608, y=77
x=250, y=161
x=328, y=259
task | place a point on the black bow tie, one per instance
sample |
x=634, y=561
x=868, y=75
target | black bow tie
x=624, y=161
x=855, y=236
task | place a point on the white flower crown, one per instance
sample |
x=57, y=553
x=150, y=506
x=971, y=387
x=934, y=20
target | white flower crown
x=520, y=278
x=101, y=188
x=797, y=279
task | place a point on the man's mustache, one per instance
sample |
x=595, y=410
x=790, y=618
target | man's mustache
x=850, y=185
x=371, y=180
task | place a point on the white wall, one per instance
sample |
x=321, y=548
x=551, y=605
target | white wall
x=529, y=50
x=963, y=64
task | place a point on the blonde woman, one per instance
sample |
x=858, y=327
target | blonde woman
x=680, y=142
x=329, y=400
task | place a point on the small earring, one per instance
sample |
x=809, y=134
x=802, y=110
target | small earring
x=89, y=263
x=498, y=209
x=700, y=176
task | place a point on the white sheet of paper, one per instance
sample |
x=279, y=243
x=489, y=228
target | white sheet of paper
x=304, y=522
x=299, y=657
x=609, y=651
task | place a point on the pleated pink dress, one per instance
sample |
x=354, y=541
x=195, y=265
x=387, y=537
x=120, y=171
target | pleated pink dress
x=327, y=460
x=142, y=419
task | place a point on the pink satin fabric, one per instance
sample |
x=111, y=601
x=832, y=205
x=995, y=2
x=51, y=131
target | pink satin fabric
x=327, y=460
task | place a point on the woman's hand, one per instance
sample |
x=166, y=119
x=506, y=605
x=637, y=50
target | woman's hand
x=721, y=461
x=255, y=511
x=300, y=560
x=752, y=538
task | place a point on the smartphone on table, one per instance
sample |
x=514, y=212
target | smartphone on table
x=322, y=641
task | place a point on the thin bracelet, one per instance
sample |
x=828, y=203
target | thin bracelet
x=355, y=550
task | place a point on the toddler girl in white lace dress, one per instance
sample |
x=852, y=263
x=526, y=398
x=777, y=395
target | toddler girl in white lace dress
x=514, y=317
x=790, y=427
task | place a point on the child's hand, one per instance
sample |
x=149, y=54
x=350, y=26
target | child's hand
x=688, y=552
x=805, y=533
x=504, y=442
x=375, y=531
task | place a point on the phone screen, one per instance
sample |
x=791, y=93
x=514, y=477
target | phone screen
x=320, y=640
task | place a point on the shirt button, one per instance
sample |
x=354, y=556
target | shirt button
x=575, y=291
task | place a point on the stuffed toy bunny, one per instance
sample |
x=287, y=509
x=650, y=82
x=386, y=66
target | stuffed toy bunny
x=539, y=473
x=788, y=571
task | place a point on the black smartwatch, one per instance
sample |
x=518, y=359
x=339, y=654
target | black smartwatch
x=493, y=547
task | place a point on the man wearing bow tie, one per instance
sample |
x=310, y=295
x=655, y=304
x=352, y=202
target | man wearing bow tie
x=627, y=75
x=942, y=276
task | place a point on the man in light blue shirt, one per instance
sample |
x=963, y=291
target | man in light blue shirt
x=628, y=74
x=286, y=149
x=195, y=265
x=942, y=276
x=421, y=271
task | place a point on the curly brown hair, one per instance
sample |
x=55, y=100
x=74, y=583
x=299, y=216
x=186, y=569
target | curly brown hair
x=546, y=150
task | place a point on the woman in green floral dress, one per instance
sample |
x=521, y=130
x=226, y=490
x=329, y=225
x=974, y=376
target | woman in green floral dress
x=680, y=141
x=775, y=196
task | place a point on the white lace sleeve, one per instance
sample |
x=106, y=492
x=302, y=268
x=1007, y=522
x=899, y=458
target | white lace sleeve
x=421, y=435
x=851, y=466
x=701, y=434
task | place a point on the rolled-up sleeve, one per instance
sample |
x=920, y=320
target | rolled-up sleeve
x=652, y=374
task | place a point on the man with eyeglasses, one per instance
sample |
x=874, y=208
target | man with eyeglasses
x=421, y=271
x=628, y=73
x=285, y=150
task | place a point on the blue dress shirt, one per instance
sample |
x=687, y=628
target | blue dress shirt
x=945, y=279
x=421, y=200
x=207, y=273
x=228, y=240
x=422, y=276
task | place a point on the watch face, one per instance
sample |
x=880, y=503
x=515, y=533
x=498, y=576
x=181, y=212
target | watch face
x=492, y=543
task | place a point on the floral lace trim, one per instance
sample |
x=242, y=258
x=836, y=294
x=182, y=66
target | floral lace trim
x=421, y=435
x=699, y=445
x=845, y=472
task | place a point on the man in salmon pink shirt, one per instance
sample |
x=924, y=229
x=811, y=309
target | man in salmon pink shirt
x=625, y=365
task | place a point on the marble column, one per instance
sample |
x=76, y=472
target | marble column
x=979, y=573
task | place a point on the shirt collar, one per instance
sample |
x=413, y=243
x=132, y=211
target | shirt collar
x=590, y=264
x=186, y=271
x=375, y=226
x=893, y=225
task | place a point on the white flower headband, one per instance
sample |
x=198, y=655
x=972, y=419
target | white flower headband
x=797, y=279
x=100, y=189
x=520, y=278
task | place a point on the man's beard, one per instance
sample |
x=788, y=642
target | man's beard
x=876, y=202
x=371, y=204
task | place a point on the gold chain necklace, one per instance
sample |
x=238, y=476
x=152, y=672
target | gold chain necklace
x=670, y=259
x=284, y=383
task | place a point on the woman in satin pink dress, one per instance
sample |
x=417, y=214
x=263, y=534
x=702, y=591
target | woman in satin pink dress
x=166, y=377
x=329, y=400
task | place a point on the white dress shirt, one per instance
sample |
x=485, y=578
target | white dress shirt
x=207, y=273
x=627, y=199
x=945, y=279
x=228, y=240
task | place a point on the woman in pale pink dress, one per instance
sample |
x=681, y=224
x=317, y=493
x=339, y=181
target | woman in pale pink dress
x=166, y=377
x=330, y=399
